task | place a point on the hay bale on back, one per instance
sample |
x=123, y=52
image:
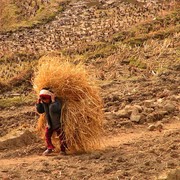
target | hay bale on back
x=82, y=114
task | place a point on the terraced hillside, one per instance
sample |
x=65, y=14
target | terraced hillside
x=132, y=48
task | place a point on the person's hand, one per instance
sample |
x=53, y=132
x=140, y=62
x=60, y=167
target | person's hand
x=53, y=97
x=39, y=101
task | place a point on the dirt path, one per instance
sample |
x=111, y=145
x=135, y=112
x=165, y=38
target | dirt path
x=135, y=135
x=134, y=153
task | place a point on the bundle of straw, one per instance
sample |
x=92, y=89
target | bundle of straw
x=82, y=114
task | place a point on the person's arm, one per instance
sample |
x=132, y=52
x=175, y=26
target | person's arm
x=56, y=106
x=40, y=107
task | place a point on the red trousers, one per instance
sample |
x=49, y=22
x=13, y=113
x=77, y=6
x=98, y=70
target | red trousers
x=60, y=133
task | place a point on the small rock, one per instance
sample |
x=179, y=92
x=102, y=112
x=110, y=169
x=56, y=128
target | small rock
x=120, y=159
x=115, y=97
x=110, y=2
x=159, y=103
x=138, y=107
x=147, y=163
x=148, y=110
x=162, y=113
x=159, y=126
x=122, y=114
x=135, y=117
x=125, y=61
x=151, y=127
x=12, y=108
x=155, y=116
x=126, y=123
x=125, y=173
x=109, y=104
x=108, y=115
x=170, y=107
x=128, y=108
x=150, y=119
x=163, y=177
x=142, y=119
x=149, y=103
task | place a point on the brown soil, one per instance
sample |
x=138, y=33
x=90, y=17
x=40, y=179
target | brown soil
x=142, y=134
x=133, y=153
x=135, y=148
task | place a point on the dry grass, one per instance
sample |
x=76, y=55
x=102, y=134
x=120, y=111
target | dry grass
x=16, y=70
x=153, y=57
x=15, y=14
x=159, y=28
x=17, y=100
x=151, y=46
x=152, y=50
x=82, y=106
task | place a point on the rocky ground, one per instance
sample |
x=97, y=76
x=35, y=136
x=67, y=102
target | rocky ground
x=142, y=137
x=141, y=105
x=81, y=21
x=135, y=152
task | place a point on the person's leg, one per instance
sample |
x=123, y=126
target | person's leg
x=48, y=136
x=62, y=139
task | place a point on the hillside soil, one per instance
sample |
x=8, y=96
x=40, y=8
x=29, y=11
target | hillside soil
x=135, y=148
x=133, y=153
x=139, y=77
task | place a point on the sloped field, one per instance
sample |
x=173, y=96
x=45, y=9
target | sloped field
x=133, y=50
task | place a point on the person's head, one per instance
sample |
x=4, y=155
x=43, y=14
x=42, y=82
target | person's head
x=45, y=95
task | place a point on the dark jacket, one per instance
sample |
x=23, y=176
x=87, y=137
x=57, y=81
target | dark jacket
x=52, y=112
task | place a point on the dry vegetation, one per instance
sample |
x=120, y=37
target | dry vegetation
x=16, y=14
x=149, y=47
x=16, y=71
x=82, y=111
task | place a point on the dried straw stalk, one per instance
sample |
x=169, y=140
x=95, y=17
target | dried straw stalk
x=82, y=114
